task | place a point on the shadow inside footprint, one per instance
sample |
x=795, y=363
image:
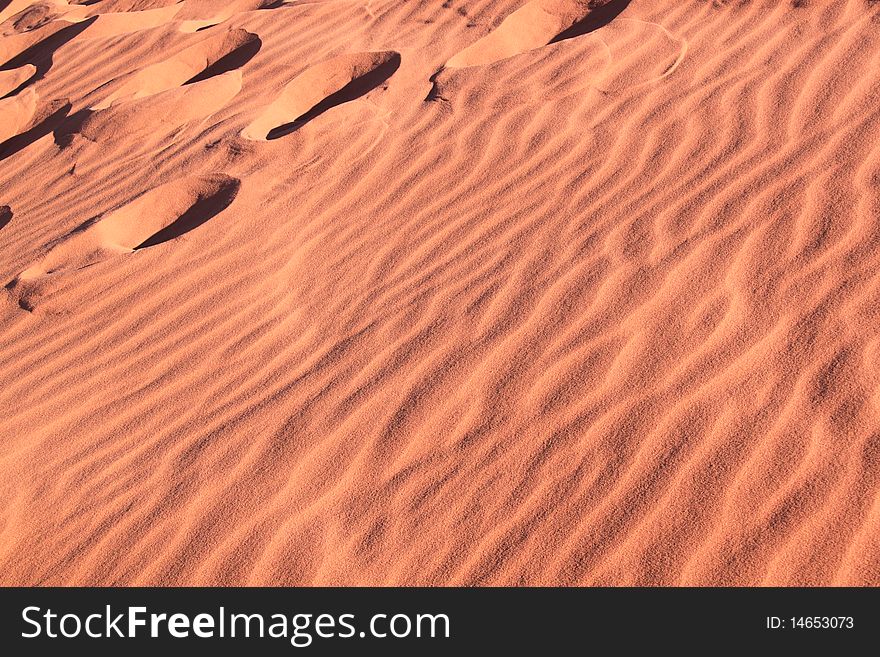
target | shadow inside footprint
x=353, y=90
x=596, y=19
x=5, y=216
x=201, y=211
x=230, y=61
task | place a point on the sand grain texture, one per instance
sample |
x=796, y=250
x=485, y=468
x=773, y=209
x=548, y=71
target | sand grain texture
x=466, y=292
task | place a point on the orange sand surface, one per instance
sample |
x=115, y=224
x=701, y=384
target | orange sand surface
x=420, y=292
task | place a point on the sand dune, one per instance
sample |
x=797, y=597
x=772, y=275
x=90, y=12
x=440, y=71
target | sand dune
x=466, y=292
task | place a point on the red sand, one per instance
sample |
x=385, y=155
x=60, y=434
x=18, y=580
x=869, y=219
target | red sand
x=464, y=292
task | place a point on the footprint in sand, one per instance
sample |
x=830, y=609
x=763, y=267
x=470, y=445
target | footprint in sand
x=155, y=115
x=9, y=8
x=534, y=25
x=31, y=18
x=162, y=214
x=24, y=15
x=13, y=80
x=625, y=52
x=210, y=57
x=320, y=88
x=638, y=52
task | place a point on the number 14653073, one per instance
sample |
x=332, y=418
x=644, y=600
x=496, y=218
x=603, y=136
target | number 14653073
x=810, y=623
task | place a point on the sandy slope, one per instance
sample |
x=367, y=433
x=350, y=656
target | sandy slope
x=463, y=292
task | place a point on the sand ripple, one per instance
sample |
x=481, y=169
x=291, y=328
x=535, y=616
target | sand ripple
x=565, y=294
